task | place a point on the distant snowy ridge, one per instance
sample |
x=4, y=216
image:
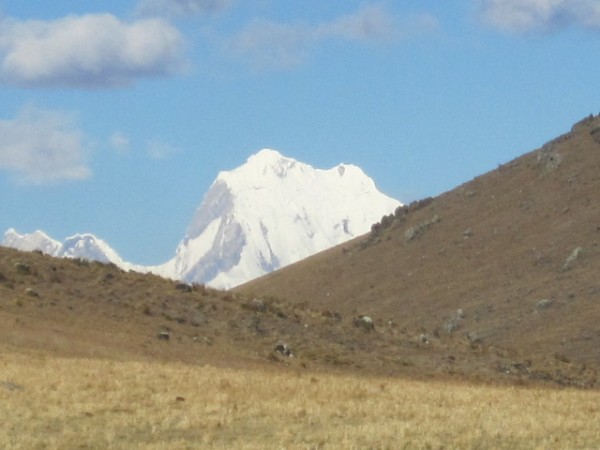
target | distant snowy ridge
x=38, y=240
x=268, y=213
x=78, y=246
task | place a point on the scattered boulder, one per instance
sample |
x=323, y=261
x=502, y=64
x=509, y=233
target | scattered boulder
x=397, y=218
x=572, y=258
x=455, y=321
x=416, y=231
x=364, y=322
x=451, y=326
x=474, y=338
x=31, y=292
x=283, y=349
x=164, y=335
x=543, y=304
x=548, y=157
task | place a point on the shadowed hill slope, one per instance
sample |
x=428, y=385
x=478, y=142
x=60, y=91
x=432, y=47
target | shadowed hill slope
x=508, y=259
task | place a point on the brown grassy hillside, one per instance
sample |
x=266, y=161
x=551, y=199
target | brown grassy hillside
x=72, y=308
x=516, y=250
x=495, y=281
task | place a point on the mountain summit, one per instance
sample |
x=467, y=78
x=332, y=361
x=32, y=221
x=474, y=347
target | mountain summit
x=270, y=212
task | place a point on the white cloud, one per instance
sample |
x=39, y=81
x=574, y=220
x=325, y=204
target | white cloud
x=119, y=142
x=42, y=146
x=90, y=51
x=182, y=7
x=266, y=44
x=546, y=15
x=158, y=149
x=372, y=23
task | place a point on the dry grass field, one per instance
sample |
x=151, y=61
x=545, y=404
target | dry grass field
x=75, y=403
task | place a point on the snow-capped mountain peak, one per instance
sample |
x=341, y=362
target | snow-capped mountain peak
x=88, y=246
x=268, y=213
x=79, y=246
x=261, y=169
x=38, y=240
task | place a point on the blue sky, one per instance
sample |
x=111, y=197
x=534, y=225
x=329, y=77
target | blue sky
x=116, y=116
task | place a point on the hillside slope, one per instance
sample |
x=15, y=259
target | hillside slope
x=73, y=308
x=508, y=259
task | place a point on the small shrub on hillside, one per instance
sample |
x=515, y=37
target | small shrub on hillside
x=562, y=358
x=401, y=211
x=419, y=204
x=183, y=287
x=386, y=221
x=376, y=228
x=22, y=268
x=255, y=305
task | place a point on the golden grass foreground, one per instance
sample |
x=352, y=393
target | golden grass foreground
x=55, y=403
